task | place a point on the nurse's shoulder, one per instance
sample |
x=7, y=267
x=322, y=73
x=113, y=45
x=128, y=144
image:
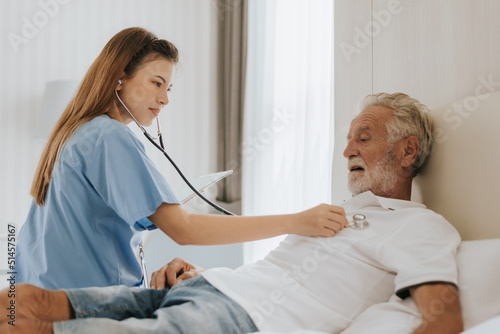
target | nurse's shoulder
x=100, y=133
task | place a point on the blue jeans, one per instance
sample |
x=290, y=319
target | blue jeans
x=191, y=306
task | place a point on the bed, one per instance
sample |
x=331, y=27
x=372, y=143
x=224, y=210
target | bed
x=459, y=182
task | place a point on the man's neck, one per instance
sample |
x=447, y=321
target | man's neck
x=403, y=192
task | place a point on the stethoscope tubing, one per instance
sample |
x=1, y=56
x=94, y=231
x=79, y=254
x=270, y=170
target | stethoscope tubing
x=215, y=206
x=162, y=149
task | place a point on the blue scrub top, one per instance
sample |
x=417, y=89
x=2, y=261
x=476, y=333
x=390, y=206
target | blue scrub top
x=102, y=189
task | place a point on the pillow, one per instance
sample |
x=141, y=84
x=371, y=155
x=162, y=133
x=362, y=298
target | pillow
x=489, y=327
x=478, y=279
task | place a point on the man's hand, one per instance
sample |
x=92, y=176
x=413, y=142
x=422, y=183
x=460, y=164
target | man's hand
x=440, y=309
x=174, y=272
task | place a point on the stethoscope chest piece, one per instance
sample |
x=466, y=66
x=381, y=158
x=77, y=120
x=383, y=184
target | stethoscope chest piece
x=359, y=222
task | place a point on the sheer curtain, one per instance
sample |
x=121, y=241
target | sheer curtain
x=288, y=123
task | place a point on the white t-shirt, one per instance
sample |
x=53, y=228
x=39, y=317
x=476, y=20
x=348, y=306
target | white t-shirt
x=324, y=283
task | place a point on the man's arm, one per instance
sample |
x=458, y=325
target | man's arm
x=440, y=308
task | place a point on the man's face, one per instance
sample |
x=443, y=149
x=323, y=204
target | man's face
x=372, y=162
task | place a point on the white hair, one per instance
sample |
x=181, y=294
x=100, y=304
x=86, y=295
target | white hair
x=411, y=118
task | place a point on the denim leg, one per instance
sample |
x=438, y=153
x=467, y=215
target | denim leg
x=115, y=302
x=192, y=306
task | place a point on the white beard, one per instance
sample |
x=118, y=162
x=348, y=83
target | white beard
x=381, y=180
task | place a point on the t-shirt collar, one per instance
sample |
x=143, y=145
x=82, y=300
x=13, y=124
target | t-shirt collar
x=369, y=199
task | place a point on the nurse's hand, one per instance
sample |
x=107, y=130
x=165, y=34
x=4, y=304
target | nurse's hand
x=323, y=220
x=174, y=272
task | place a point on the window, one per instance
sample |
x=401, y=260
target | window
x=288, y=127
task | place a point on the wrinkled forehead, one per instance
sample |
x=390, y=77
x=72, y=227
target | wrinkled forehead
x=371, y=119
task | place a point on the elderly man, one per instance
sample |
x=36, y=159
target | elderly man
x=393, y=248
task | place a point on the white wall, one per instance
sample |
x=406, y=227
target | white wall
x=436, y=51
x=69, y=36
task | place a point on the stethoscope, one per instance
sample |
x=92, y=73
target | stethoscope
x=161, y=147
x=359, y=222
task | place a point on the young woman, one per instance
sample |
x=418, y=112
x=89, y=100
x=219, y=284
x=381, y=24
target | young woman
x=95, y=189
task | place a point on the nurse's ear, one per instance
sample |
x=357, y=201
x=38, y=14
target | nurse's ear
x=119, y=86
x=120, y=82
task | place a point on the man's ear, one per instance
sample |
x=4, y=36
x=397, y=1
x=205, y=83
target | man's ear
x=411, y=146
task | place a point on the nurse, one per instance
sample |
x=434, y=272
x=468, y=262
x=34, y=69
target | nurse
x=95, y=189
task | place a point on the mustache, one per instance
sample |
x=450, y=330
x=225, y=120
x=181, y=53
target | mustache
x=356, y=161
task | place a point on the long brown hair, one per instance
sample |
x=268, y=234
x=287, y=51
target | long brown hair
x=125, y=53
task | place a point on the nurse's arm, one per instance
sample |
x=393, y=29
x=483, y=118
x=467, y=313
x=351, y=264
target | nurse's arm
x=440, y=308
x=191, y=229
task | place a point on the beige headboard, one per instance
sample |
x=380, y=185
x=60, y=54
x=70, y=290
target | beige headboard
x=462, y=178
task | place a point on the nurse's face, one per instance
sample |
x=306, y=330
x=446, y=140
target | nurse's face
x=145, y=93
